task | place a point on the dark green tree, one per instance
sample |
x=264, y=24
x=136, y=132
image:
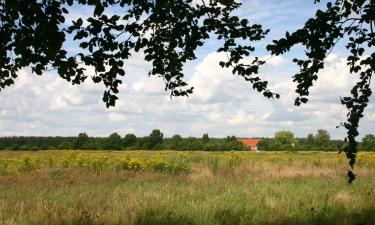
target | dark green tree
x=176, y=142
x=285, y=137
x=310, y=141
x=113, y=142
x=231, y=138
x=368, y=143
x=24, y=148
x=265, y=144
x=154, y=139
x=284, y=141
x=205, y=138
x=322, y=139
x=130, y=140
x=65, y=146
x=80, y=140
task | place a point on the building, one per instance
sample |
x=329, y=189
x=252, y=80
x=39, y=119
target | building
x=251, y=143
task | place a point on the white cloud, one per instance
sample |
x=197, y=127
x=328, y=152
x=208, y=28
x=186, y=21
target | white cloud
x=116, y=117
x=212, y=83
x=371, y=117
x=241, y=117
x=222, y=105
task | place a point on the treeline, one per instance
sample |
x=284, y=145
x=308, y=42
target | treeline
x=154, y=141
x=321, y=141
x=282, y=141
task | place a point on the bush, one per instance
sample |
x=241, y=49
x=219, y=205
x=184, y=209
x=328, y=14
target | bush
x=65, y=146
x=24, y=148
x=14, y=147
x=34, y=148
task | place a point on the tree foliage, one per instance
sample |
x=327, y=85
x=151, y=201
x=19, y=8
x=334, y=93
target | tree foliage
x=130, y=140
x=368, y=143
x=285, y=141
x=322, y=138
x=176, y=142
x=285, y=137
x=354, y=23
x=168, y=32
x=113, y=142
x=205, y=138
x=81, y=139
x=154, y=141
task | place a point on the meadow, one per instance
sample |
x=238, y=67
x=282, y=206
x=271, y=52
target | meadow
x=184, y=188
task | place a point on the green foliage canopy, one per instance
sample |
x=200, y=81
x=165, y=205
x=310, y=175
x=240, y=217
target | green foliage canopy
x=322, y=138
x=285, y=137
x=352, y=22
x=168, y=32
x=205, y=138
x=130, y=140
x=368, y=143
x=113, y=142
x=154, y=139
x=81, y=139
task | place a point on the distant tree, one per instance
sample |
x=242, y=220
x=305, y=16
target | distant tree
x=233, y=145
x=24, y=148
x=339, y=144
x=211, y=146
x=231, y=138
x=368, y=143
x=192, y=144
x=65, y=146
x=310, y=141
x=130, y=140
x=205, y=138
x=14, y=147
x=81, y=139
x=154, y=139
x=285, y=137
x=34, y=148
x=113, y=142
x=284, y=140
x=177, y=137
x=265, y=144
x=142, y=143
x=176, y=142
x=322, y=139
x=93, y=144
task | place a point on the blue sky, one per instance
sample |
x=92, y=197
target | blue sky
x=221, y=105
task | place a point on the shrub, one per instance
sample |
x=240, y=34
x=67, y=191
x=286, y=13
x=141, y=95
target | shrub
x=24, y=147
x=34, y=148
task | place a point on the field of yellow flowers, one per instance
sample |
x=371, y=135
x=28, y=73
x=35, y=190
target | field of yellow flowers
x=171, y=187
x=93, y=161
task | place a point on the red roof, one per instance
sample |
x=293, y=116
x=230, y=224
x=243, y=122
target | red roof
x=250, y=142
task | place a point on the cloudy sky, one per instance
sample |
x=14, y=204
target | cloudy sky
x=222, y=104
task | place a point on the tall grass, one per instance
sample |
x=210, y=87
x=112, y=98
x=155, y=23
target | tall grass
x=218, y=189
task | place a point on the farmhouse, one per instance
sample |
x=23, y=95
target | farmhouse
x=251, y=143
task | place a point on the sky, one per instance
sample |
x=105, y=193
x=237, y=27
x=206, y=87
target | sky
x=221, y=105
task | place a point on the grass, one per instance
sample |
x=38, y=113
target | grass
x=218, y=189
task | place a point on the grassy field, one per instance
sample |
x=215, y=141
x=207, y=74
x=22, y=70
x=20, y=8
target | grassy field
x=148, y=187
